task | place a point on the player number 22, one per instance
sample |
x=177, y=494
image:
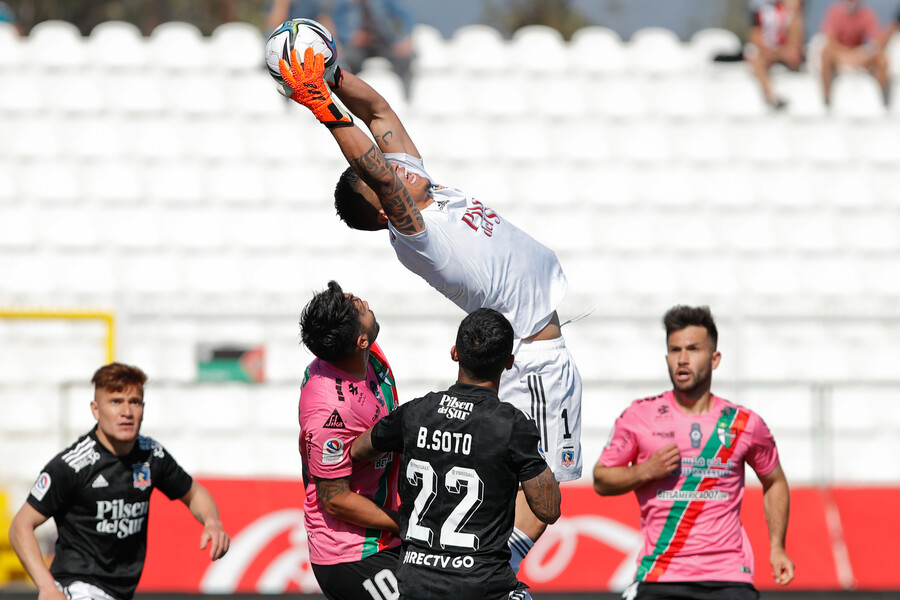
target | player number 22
x=421, y=471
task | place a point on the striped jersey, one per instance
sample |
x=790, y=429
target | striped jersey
x=477, y=259
x=335, y=407
x=690, y=521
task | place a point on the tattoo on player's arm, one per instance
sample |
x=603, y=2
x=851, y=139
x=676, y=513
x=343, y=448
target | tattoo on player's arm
x=398, y=205
x=329, y=489
x=385, y=138
x=542, y=493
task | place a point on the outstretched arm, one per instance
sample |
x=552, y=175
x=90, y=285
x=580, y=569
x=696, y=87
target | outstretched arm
x=367, y=159
x=25, y=544
x=203, y=507
x=776, y=503
x=543, y=496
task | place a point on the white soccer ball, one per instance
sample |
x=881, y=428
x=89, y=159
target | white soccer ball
x=300, y=34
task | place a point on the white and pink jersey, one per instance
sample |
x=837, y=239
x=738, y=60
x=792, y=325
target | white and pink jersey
x=335, y=407
x=691, y=520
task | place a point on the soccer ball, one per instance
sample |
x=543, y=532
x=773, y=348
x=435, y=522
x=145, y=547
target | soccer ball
x=299, y=34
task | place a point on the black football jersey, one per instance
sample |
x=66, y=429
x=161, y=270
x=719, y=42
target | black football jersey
x=464, y=454
x=101, y=505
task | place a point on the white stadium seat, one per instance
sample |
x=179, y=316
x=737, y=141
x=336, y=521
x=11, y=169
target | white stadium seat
x=11, y=47
x=476, y=47
x=56, y=45
x=117, y=45
x=178, y=45
x=657, y=51
x=856, y=95
x=538, y=50
x=21, y=93
x=707, y=43
x=237, y=46
x=432, y=54
x=597, y=51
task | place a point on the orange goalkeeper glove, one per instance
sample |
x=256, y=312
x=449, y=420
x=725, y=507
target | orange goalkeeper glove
x=305, y=78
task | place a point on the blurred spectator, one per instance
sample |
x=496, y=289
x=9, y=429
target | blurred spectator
x=367, y=28
x=854, y=40
x=775, y=36
x=890, y=30
x=279, y=11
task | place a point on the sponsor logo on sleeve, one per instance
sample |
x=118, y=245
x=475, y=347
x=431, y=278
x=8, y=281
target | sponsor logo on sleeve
x=82, y=455
x=141, y=473
x=334, y=421
x=332, y=451
x=41, y=486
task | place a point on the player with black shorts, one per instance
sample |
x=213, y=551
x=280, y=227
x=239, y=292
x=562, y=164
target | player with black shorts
x=464, y=455
x=98, y=492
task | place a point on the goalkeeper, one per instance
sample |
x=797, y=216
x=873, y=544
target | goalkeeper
x=463, y=249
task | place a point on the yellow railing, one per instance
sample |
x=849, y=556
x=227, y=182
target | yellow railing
x=107, y=318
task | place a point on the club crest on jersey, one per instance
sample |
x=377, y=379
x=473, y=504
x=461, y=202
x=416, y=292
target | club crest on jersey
x=726, y=436
x=334, y=421
x=41, y=486
x=141, y=473
x=332, y=451
x=696, y=435
x=567, y=457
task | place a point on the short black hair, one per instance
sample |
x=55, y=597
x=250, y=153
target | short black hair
x=329, y=323
x=484, y=344
x=351, y=206
x=681, y=316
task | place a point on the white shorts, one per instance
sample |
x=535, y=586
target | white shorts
x=79, y=590
x=545, y=384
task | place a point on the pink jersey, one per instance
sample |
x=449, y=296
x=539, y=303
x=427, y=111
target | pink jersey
x=691, y=520
x=335, y=407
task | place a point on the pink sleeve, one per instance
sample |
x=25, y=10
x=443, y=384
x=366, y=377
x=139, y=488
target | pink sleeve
x=621, y=449
x=873, y=26
x=328, y=449
x=762, y=454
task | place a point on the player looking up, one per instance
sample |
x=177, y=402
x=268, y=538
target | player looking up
x=462, y=248
x=350, y=509
x=464, y=455
x=98, y=492
x=683, y=454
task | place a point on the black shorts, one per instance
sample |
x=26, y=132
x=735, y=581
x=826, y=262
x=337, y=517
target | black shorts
x=691, y=590
x=372, y=577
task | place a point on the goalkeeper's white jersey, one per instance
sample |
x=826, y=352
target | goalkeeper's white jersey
x=479, y=260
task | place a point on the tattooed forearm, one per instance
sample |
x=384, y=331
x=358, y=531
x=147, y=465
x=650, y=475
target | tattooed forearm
x=398, y=205
x=328, y=489
x=542, y=493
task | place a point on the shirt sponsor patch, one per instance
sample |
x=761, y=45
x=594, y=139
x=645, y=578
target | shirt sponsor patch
x=334, y=421
x=141, y=475
x=332, y=451
x=41, y=486
x=702, y=495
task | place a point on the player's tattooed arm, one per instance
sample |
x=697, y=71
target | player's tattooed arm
x=329, y=489
x=398, y=205
x=543, y=496
x=340, y=502
x=362, y=449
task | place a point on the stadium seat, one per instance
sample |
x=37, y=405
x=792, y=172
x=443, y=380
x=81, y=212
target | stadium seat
x=9, y=184
x=597, y=51
x=135, y=94
x=177, y=46
x=656, y=51
x=85, y=93
x=476, y=47
x=113, y=181
x=618, y=98
x=17, y=224
x=761, y=142
x=386, y=82
x=892, y=49
x=785, y=186
x=235, y=47
x=26, y=275
x=32, y=138
x=850, y=187
x=643, y=141
x=117, y=45
x=803, y=94
x=429, y=97
x=92, y=138
x=253, y=95
x=432, y=54
x=735, y=95
x=701, y=141
x=874, y=144
x=21, y=93
x=46, y=180
x=707, y=43
x=820, y=142
x=193, y=93
x=11, y=47
x=68, y=228
x=501, y=97
x=856, y=95
x=175, y=182
x=157, y=138
x=538, y=50
x=725, y=184
x=193, y=229
x=746, y=231
x=216, y=139
x=664, y=184
x=681, y=98
x=56, y=45
x=238, y=181
x=131, y=228
x=86, y=275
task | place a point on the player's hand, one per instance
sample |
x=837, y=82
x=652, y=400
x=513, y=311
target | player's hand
x=663, y=462
x=51, y=593
x=214, y=535
x=782, y=567
x=305, y=78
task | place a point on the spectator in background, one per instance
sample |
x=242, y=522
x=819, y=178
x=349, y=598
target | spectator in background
x=367, y=28
x=854, y=39
x=280, y=11
x=890, y=30
x=8, y=16
x=775, y=36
